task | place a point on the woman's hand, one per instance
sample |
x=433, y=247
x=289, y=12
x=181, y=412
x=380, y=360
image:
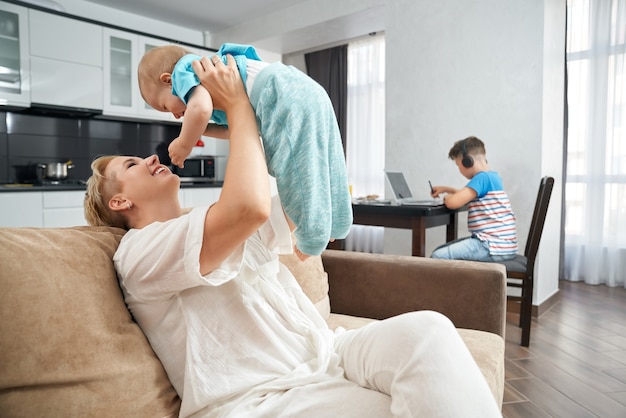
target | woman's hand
x=222, y=81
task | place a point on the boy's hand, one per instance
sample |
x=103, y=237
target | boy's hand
x=178, y=152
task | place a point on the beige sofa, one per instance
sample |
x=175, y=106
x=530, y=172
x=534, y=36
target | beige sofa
x=69, y=347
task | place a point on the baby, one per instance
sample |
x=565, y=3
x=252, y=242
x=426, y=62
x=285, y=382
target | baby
x=297, y=124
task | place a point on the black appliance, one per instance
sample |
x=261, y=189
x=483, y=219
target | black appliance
x=196, y=170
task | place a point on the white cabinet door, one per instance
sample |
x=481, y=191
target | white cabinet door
x=145, y=44
x=122, y=53
x=14, y=62
x=63, y=217
x=65, y=39
x=65, y=61
x=63, y=209
x=21, y=209
x=204, y=196
x=121, y=91
x=62, y=83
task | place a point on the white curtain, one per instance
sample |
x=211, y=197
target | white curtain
x=595, y=192
x=365, y=152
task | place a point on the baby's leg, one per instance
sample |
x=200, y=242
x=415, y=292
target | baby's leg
x=304, y=152
x=305, y=194
x=341, y=201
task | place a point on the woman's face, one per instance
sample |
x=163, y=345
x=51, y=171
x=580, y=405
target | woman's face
x=142, y=179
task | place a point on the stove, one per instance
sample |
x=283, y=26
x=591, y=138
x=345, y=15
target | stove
x=64, y=182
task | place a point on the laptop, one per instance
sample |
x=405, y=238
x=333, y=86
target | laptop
x=403, y=194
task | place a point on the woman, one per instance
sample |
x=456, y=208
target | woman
x=234, y=331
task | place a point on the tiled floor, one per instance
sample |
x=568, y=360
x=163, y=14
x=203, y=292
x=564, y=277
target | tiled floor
x=576, y=363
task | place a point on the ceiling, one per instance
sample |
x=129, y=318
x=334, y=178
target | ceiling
x=216, y=16
x=202, y=15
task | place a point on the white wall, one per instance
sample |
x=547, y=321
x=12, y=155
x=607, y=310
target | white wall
x=552, y=147
x=478, y=67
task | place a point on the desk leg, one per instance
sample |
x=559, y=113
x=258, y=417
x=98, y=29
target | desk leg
x=418, y=247
x=451, y=227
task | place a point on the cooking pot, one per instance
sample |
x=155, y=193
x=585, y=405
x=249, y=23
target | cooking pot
x=28, y=173
x=56, y=171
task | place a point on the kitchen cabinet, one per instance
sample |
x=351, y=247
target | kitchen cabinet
x=20, y=209
x=63, y=209
x=50, y=59
x=14, y=62
x=60, y=83
x=145, y=110
x=55, y=209
x=205, y=196
x=122, y=52
x=65, y=61
x=120, y=82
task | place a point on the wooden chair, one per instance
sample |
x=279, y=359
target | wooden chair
x=520, y=270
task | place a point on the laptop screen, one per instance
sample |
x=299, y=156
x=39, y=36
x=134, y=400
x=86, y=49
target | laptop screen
x=399, y=185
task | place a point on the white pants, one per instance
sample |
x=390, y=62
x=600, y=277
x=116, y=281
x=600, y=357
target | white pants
x=412, y=365
x=420, y=360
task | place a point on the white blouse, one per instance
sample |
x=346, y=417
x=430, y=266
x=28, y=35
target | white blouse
x=229, y=338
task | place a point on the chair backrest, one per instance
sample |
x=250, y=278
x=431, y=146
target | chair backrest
x=538, y=220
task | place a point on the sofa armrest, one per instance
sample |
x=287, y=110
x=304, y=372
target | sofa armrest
x=471, y=294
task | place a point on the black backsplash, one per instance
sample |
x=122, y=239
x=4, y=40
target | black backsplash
x=27, y=139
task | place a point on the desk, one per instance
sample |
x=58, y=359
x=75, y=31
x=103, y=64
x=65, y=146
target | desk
x=416, y=218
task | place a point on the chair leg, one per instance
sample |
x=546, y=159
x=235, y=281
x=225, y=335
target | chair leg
x=526, y=311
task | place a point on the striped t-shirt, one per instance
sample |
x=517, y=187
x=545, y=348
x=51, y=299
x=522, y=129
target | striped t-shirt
x=490, y=217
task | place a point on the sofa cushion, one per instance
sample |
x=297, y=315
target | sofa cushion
x=312, y=278
x=68, y=344
x=486, y=348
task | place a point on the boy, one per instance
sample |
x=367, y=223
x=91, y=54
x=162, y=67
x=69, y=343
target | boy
x=490, y=219
x=297, y=124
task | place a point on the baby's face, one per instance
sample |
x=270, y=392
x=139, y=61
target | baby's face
x=162, y=99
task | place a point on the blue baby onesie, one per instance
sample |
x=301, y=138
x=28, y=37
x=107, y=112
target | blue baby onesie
x=302, y=143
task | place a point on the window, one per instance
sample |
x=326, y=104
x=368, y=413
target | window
x=365, y=152
x=595, y=190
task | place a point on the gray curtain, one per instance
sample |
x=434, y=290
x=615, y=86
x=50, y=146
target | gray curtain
x=329, y=68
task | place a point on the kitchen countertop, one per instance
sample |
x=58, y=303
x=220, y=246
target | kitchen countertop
x=16, y=187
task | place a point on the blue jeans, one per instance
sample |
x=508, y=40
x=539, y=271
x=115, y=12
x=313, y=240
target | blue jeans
x=469, y=248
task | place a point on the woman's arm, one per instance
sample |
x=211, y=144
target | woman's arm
x=244, y=203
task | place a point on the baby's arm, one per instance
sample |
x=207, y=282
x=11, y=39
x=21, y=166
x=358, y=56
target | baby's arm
x=196, y=118
x=216, y=131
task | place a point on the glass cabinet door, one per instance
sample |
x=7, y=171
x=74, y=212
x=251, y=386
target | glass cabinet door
x=145, y=110
x=120, y=68
x=14, y=68
x=122, y=53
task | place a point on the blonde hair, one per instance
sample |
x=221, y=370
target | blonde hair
x=100, y=190
x=157, y=61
